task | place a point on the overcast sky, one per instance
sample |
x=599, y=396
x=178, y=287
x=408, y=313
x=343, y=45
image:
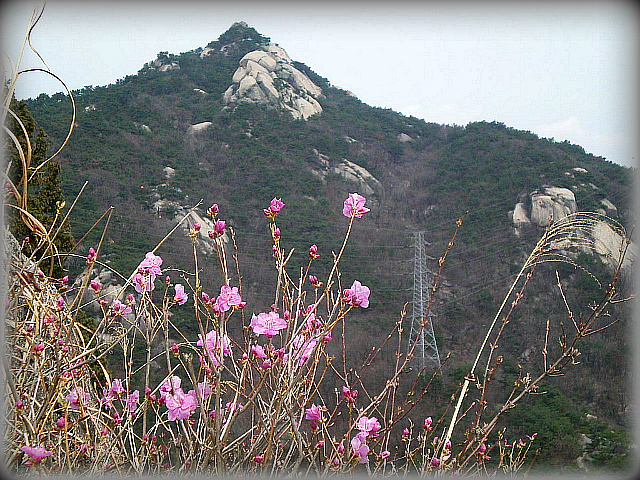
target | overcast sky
x=567, y=70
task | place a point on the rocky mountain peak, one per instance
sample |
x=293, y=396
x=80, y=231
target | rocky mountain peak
x=267, y=76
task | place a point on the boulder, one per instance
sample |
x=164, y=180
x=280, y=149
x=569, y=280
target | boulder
x=198, y=128
x=267, y=76
x=553, y=203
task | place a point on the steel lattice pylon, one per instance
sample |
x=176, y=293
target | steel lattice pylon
x=426, y=348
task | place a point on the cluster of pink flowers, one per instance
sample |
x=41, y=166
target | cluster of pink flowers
x=274, y=208
x=92, y=257
x=357, y=295
x=148, y=269
x=117, y=390
x=180, y=405
x=367, y=427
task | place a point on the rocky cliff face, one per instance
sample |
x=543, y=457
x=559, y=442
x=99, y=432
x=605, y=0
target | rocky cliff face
x=550, y=204
x=267, y=76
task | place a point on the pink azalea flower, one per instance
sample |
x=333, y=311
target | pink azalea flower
x=218, y=228
x=120, y=309
x=229, y=297
x=180, y=297
x=313, y=413
x=354, y=206
x=258, y=351
x=212, y=346
x=116, y=388
x=350, y=395
x=267, y=324
x=204, y=389
x=169, y=386
x=360, y=448
x=427, y=423
x=95, y=285
x=276, y=205
x=180, y=405
x=151, y=264
x=143, y=282
x=36, y=454
x=435, y=462
x=77, y=397
x=92, y=256
x=368, y=425
x=303, y=348
x=357, y=295
x=213, y=210
x=132, y=401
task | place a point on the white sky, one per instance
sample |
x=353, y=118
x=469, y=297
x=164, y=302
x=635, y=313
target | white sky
x=563, y=70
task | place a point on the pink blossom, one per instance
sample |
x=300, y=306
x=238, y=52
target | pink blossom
x=327, y=337
x=213, y=210
x=213, y=346
x=143, y=282
x=427, y=423
x=116, y=388
x=350, y=395
x=360, y=448
x=258, y=351
x=267, y=324
x=120, y=309
x=169, y=386
x=266, y=365
x=95, y=285
x=385, y=454
x=276, y=234
x=229, y=297
x=175, y=349
x=368, y=425
x=435, y=462
x=313, y=252
x=92, y=256
x=61, y=303
x=354, y=206
x=36, y=454
x=151, y=264
x=61, y=422
x=303, y=348
x=132, y=401
x=77, y=397
x=204, y=389
x=313, y=413
x=180, y=405
x=276, y=205
x=180, y=296
x=357, y=295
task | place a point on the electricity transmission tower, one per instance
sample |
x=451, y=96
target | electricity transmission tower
x=424, y=339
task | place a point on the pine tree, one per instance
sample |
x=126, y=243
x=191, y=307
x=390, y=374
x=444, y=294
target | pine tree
x=45, y=197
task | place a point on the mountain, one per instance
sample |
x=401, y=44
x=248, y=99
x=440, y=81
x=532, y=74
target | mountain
x=237, y=123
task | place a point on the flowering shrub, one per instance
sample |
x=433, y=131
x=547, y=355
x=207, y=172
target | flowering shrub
x=249, y=403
